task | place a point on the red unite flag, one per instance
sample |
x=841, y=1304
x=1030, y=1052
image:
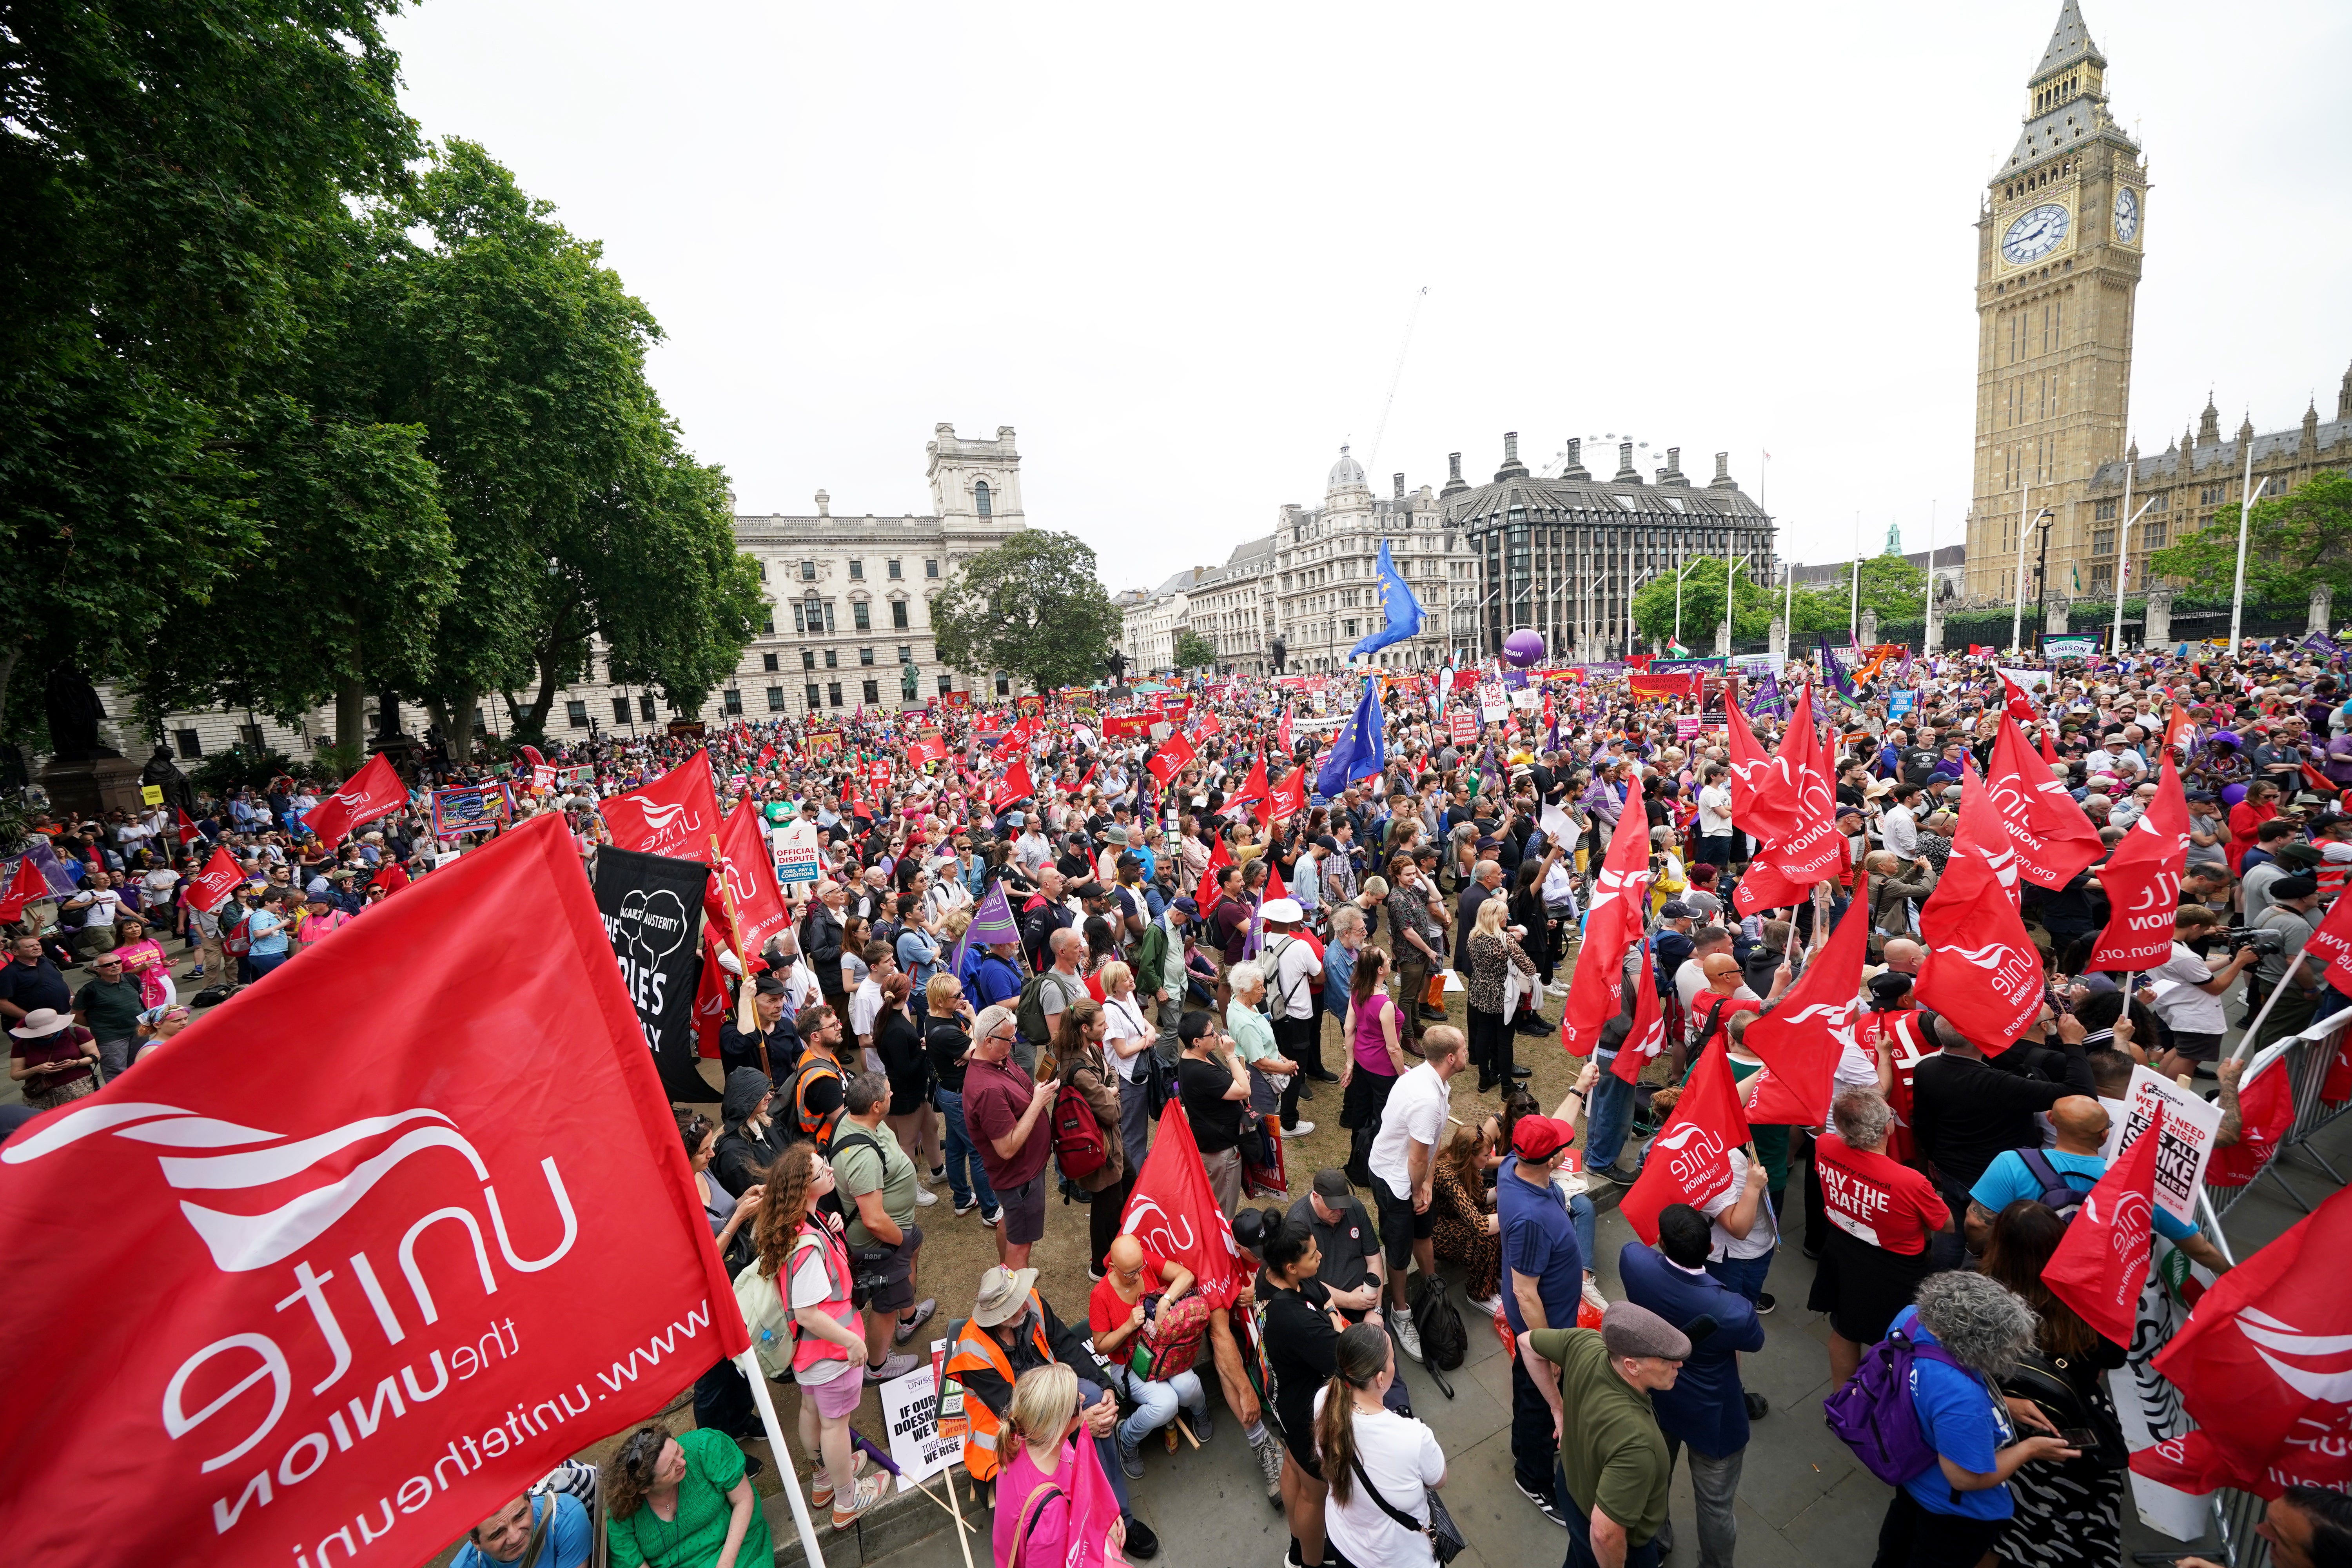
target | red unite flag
x=188, y=832
x=745, y=869
x=1596, y=991
x=2142, y=879
x=2021, y=707
x=674, y=816
x=1689, y=1162
x=215, y=882
x=1813, y=851
x=2054, y=841
x=1208, y=725
x=2332, y=944
x=1219, y=858
x=1647, y=1037
x=1982, y=972
x=29, y=886
x=1174, y=1212
x=1288, y=798
x=1174, y=755
x=1763, y=789
x=1253, y=791
x=2099, y=1268
x=1802, y=1038
x=2264, y=1367
x=369, y=1306
x=374, y=791
x=1014, y=786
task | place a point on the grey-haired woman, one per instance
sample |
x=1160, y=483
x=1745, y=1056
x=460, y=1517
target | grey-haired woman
x=1953, y=1513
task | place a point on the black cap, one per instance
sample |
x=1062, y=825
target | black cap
x=2294, y=888
x=769, y=985
x=1331, y=1184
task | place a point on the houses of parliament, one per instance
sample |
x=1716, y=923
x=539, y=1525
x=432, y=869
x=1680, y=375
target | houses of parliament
x=2060, y=239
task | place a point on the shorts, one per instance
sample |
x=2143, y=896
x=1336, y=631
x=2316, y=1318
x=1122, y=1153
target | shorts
x=1400, y=1226
x=1024, y=1211
x=1863, y=1287
x=2195, y=1047
x=1913, y=1537
x=882, y=1279
x=836, y=1397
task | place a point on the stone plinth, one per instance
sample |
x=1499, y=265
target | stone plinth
x=2158, y=631
x=2054, y=618
x=2321, y=602
x=94, y=787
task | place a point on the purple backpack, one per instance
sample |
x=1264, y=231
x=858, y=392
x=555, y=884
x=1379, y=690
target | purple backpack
x=1873, y=1414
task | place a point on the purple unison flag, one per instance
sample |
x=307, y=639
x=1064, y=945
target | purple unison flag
x=1766, y=697
x=991, y=922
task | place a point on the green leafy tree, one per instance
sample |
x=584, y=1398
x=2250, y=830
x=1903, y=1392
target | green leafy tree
x=1032, y=606
x=1702, y=602
x=575, y=511
x=1193, y=651
x=168, y=165
x=2294, y=544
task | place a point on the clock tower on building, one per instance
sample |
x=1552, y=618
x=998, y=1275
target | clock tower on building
x=2058, y=261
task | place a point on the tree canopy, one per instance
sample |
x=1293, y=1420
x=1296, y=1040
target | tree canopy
x=1193, y=651
x=2293, y=543
x=1891, y=585
x=1030, y=606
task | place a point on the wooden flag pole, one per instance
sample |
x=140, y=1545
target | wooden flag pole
x=747, y=1017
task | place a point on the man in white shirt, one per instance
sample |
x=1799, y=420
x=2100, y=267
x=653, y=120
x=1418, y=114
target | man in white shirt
x=1404, y=1163
x=1031, y=849
x=1715, y=818
x=866, y=1002
x=1899, y=828
x=2186, y=992
x=1294, y=974
x=1691, y=978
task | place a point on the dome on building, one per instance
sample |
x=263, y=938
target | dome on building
x=1346, y=472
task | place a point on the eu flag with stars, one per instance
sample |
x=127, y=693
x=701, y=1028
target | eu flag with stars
x=1397, y=602
x=1361, y=747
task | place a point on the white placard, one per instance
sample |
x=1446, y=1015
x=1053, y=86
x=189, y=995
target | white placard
x=912, y=1416
x=2028, y=679
x=795, y=847
x=2187, y=1146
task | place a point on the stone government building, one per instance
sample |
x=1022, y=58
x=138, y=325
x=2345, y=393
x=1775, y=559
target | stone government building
x=848, y=621
x=2062, y=233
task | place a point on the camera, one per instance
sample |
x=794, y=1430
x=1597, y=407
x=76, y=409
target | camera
x=2263, y=941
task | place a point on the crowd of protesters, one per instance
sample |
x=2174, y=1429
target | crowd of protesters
x=1191, y=919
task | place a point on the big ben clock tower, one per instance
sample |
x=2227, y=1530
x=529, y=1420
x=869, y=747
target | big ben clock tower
x=2058, y=260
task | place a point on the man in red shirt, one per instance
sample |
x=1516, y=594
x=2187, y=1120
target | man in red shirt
x=1122, y=1314
x=1009, y=1128
x=1881, y=1214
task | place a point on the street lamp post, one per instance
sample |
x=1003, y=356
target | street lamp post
x=2041, y=568
x=2017, y=619
x=2251, y=492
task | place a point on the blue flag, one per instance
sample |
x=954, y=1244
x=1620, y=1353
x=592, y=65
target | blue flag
x=1397, y=602
x=1361, y=747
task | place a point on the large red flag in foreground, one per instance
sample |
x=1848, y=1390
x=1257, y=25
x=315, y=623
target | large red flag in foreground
x=1763, y=789
x=2264, y=1367
x=1174, y=1211
x=1801, y=1039
x=1596, y=991
x=372, y=792
x=1690, y=1159
x=674, y=816
x=745, y=870
x=2054, y=841
x=2099, y=1268
x=1982, y=971
x=330, y=1308
x=2142, y=879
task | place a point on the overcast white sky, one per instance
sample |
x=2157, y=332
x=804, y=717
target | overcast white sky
x=1177, y=248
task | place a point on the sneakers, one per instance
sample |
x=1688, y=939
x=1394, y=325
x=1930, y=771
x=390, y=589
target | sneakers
x=869, y=1492
x=1130, y=1461
x=1489, y=1305
x=990, y=1216
x=1407, y=1337
x=1094, y=1275
x=1598, y=1302
x=1622, y=1174
x=892, y=1366
x=966, y=1206
x=821, y=1492
x=924, y=1308
x=1269, y=1459
x=1764, y=1302
x=925, y=1198
x=1301, y=1130
x=935, y=1177
x=1543, y=1500
x=1203, y=1427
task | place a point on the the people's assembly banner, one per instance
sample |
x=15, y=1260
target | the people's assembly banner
x=271, y=1303
x=650, y=904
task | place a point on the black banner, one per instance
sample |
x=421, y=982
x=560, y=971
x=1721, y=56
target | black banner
x=652, y=906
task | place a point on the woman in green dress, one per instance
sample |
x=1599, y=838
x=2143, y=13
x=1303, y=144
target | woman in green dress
x=683, y=1502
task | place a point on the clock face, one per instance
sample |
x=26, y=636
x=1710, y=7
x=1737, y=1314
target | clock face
x=2035, y=233
x=2126, y=214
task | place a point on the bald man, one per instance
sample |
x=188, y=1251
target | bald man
x=2074, y=1167
x=1903, y=956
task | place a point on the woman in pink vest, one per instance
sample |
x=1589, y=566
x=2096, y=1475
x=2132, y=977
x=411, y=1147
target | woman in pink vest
x=802, y=1251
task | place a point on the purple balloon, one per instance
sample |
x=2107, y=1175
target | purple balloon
x=2232, y=794
x=1524, y=649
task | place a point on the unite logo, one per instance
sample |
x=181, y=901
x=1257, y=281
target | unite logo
x=1836, y=1017
x=2011, y=972
x=2332, y=1384
x=264, y=1198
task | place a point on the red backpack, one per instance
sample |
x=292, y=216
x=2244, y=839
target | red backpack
x=1079, y=1147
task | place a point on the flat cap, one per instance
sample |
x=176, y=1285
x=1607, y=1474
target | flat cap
x=1627, y=1328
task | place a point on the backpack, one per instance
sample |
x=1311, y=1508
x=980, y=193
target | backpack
x=1079, y=1147
x=1029, y=1012
x=1443, y=1342
x=2058, y=1196
x=1177, y=1346
x=1872, y=1414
